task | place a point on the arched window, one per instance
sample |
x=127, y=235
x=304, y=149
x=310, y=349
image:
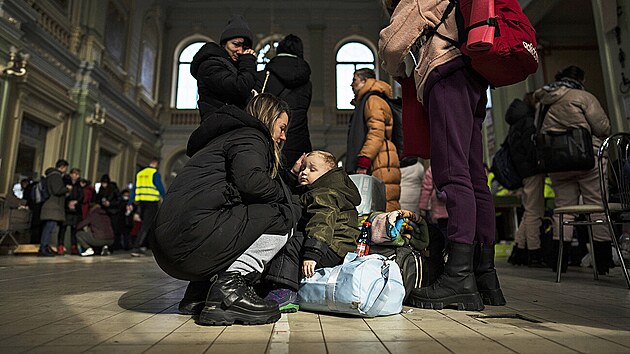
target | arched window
x=266, y=50
x=350, y=57
x=186, y=97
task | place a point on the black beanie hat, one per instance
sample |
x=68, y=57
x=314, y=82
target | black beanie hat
x=237, y=27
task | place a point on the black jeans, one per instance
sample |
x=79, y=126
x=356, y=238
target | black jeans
x=148, y=211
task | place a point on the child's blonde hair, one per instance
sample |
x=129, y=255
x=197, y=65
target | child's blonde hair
x=329, y=159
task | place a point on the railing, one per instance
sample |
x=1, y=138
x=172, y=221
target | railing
x=184, y=117
x=54, y=27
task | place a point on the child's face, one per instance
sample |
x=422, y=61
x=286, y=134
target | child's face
x=313, y=167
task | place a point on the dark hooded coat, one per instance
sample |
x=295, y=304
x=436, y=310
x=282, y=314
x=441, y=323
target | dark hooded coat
x=222, y=200
x=221, y=81
x=520, y=117
x=289, y=79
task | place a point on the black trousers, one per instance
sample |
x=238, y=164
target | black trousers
x=148, y=211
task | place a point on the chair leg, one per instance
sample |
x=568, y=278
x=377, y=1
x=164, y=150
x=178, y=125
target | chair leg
x=560, y=246
x=615, y=242
x=590, y=241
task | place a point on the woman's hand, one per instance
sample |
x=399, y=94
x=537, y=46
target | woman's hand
x=249, y=51
x=361, y=171
x=297, y=166
x=308, y=267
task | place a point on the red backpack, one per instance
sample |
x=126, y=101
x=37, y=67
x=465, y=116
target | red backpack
x=513, y=55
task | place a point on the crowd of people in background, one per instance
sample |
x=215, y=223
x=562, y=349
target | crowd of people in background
x=67, y=210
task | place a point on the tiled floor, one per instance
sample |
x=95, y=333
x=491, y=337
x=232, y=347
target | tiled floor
x=122, y=304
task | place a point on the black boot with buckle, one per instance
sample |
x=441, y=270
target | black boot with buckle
x=456, y=286
x=486, y=275
x=194, y=298
x=231, y=299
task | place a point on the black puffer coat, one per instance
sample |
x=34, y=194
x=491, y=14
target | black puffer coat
x=220, y=81
x=520, y=117
x=222, y=200
x=289, y=79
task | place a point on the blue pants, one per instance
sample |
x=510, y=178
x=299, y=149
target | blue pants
x=49, y=227
x=455, y=100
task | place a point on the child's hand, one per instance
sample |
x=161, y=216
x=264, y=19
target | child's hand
x=308, y=267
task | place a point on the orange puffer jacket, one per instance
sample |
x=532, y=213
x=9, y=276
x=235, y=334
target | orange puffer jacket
x=378, y=146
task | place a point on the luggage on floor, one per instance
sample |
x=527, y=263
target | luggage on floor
x=413, y=265
x=366, y=286
x=372, y=192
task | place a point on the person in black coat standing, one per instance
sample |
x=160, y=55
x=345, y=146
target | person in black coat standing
x=520, y=117
x=225, y=72
x=287, y=76
x=227, y=213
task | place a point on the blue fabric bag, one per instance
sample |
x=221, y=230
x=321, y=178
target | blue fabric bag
x=366, y=286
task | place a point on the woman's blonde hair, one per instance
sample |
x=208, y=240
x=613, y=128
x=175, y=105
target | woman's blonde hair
x=268, y=108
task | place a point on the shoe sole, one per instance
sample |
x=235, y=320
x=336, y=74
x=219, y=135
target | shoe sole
x=468, y=302
x=290, y=308
x=216, y=316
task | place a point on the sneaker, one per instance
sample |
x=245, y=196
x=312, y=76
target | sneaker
x=139, y=252
x=61, y=250
x=74, y=250
x=87, y=252
x=286, y=299
x=105, y=251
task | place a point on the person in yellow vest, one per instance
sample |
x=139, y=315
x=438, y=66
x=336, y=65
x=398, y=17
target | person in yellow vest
x=146, y=194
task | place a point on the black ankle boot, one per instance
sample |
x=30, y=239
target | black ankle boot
x=518, y=256
x=603, y=256
x=231, y=299
x=536, y=258
x=456, y=286
x=486, y=275
x=194, y=298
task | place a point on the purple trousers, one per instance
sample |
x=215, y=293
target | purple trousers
x=455, y=100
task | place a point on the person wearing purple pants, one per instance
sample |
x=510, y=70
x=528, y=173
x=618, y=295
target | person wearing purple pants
x=455, y=99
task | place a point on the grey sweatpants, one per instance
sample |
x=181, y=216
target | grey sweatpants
x=256, y=257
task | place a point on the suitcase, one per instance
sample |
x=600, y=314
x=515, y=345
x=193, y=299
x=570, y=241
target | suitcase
x=372, y=192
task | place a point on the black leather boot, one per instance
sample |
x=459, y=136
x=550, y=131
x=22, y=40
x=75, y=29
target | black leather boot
x=603, y=256
x=231, y=299
x=536, y=258
x=194, y=298
x=518, y=256
x=456, y=286
x=486, y=275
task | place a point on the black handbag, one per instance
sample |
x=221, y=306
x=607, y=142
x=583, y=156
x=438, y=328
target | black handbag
x=571, y=150
x=503, y=168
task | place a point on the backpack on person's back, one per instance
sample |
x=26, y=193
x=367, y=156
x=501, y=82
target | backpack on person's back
x=511, y=57
x=395, y=104
x=39, y=192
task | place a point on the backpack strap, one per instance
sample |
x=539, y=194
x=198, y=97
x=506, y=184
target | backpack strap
x=541, y=117
x=427, y=33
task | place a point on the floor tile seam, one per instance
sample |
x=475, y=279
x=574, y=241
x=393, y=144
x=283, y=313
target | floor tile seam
x=552, y=340
x=168, y=334
x=592, y=334
x=62, y=319
x=321, y=330
x=476, y=331
x=43, y=275
x=430, y=336
x=215, y=340
x=571, y=314
x=67, y=334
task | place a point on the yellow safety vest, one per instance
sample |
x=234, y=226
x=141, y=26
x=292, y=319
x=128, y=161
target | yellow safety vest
x=145, y=189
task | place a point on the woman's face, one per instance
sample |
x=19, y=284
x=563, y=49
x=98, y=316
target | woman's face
x=235, y=47
x=279, y=128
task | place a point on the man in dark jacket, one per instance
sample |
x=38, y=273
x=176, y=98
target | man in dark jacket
x=73, y=211
x=225, y=72
x=95, y=231
x=287, y=76
x=53, y=210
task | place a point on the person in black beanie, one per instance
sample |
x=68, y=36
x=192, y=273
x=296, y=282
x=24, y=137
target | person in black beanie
x=288, y=77
x=225, y=72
